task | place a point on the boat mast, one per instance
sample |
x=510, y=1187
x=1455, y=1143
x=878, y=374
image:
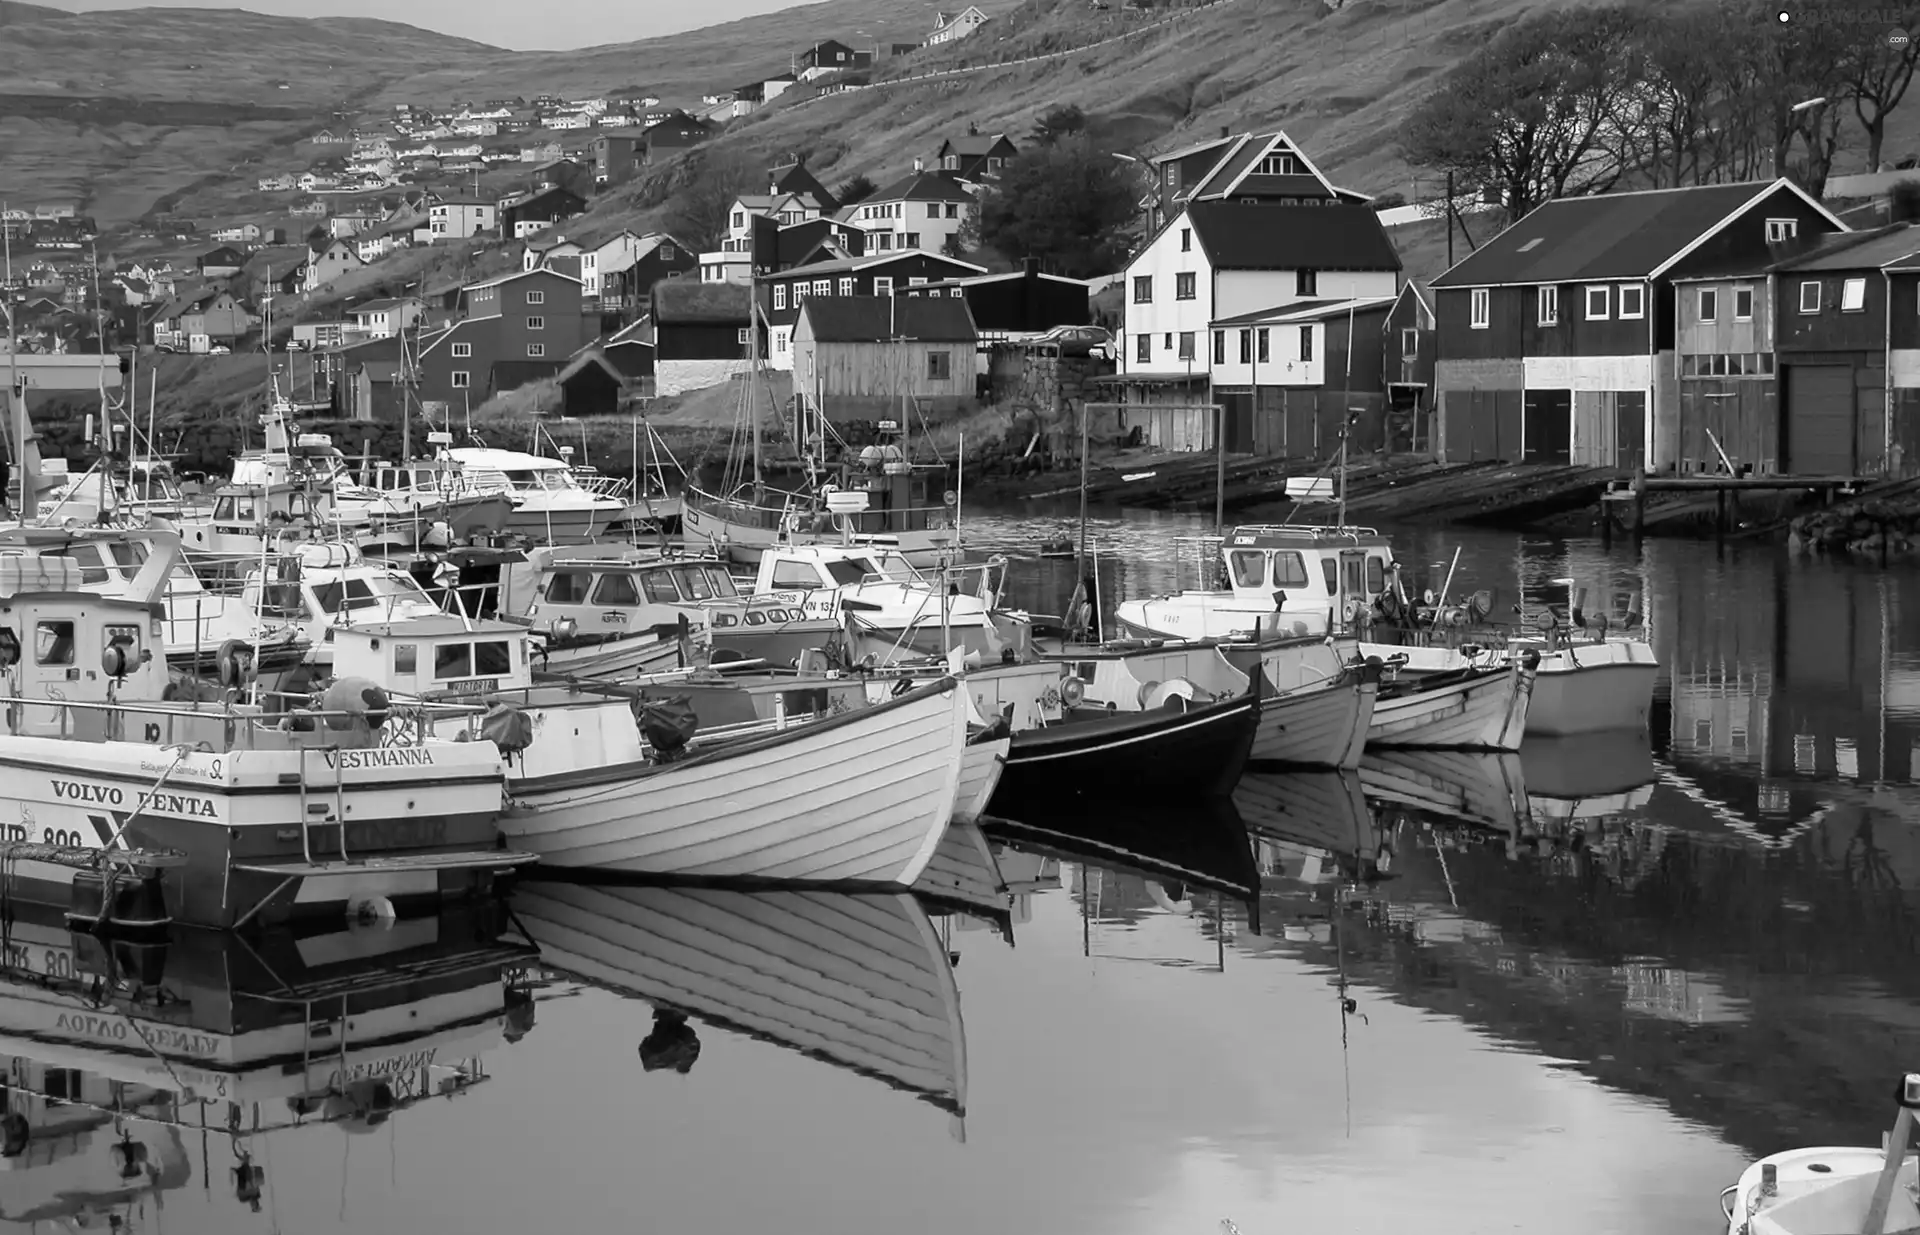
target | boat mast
x=753, y=371
x=1346, y=418
x=16, y=388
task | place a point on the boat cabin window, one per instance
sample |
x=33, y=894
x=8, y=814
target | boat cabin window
x=1249, y=567
x=756, y=618
x=568, y=587
x=53, y=643
x=795, y=574
x=406, y=658
x=346, y=595
x=1376, y=576
x=616, y=590
x=726, y=619
x=693, y=582
x=1331, y=569
x=660, y=587
x=1353, y=574
x=851, y=572
x=721, y=582
x=490, y=659
x=1289, y=570
x=234, y=509
x=88, y=558
x=284, y=600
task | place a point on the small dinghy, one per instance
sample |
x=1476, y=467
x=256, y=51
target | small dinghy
x=1834, y=1190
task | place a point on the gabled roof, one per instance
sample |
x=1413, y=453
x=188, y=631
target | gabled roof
x=544, y=244
x=873, y=319
x=593, y=357
x=638, y=332
x=1236, y=236
x=1185, y=152
x=546, y=271
x=1868, y=250
x=1417, y=291
x=976, y=280
x=1236, y=173
x=922, y=186
x=974, y=145
x=851, y=265
x=1318, y=310
x=1636, y=235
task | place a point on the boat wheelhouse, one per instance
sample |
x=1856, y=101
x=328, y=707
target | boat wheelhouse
x=317, y=587
x=302, y=810
x=1281, y=579
x=881, y=592
x=246, y=521
x=550, y=504
x=148, y=488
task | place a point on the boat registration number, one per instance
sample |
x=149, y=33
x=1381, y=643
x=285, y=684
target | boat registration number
x=472, y=686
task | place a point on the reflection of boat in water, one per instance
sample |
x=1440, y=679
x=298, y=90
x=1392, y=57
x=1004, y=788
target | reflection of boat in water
x=965, y=875
x=113, y=1050
x=1324, y=810
x=1457, y=786
x=1202, y=842
x=860, y=980
x=1588, y=777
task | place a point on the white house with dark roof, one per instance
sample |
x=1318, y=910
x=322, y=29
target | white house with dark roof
x=950, y=26
x=1270, y=168
x=1224, y=259
x=924, y=210
x=1557, y=336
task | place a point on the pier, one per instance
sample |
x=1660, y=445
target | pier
x=1649, y=503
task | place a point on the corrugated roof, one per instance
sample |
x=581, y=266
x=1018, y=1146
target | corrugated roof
x=1605, y=236
x=1269, y=237
x=1869, y=250
x=870, y=319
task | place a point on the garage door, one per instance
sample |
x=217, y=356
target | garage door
x=1548, y=435
x=1820, y=420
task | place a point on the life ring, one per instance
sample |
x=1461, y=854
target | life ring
x=1073, y=692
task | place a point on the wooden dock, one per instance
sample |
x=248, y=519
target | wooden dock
x=1491, y=493
x=1712, y=501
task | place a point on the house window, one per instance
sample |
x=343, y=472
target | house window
x=955, y=293
x=823, y=287
x=536, y=323
x=536, y=351
x=1409, y=343
x=883, y=285
x=917, y=281
x=780, y=341
x=1306, y=283
x=1549, y=298
x=1219, y=347
x=1143, y=289
x=460, y=379
x=1779, y=230
x=1743, y=304
x=1306, y=345
x=779, y=295
x=739, y=220
x=1853, y=296
x=1810, y=296
x=1481, y=310
x=1173, y=175
x=1633, y=302
x=1260, y=351
x=536, y=298
x=1143, y=349
x=1246, y=347
x=1186, y=240
x=462, y=350
x=1709, y=305
x=1277, y=165
x=1599, y=303
x=1183, y=286
x=846, y=285
x=800, y=293
x=740, y=336
x=939, y=366
x=911, y=241
x=666, y=252
x=1186, y=345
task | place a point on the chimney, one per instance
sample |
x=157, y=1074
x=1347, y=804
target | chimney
x=1032, y=267
x=1226, y=131
x=919, y=165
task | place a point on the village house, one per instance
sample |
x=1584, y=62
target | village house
x=200, y=319
x=870, y=357
x=617, y=157
x=351, y=222
x=1020, y=303
x=220, y=263
x=1557, y=336
x=606, y=375
x=830, y=56
x=542, y=152
x=925, y=210
x=538, y=251
x=1288, y=379
x=1266, y=167
x=328, y=259
x=874, y=275
x=701, y=335
x=674, y=134
x=1411, y=342
x=387, y=317
x=283, y=183
x=313, y=208
x=1215, y=261
x=976, y=156
x=460, y=218
x=279, y=281
x=776, y=248
x=244, y=233
x=617, y=274
x=538, y=212
x=519, y=328
x=950, y=26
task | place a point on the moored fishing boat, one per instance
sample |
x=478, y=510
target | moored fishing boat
x=1172, y=750
x=277, y=814
x=1469, y=709
x=859, y=981
x=549, y=504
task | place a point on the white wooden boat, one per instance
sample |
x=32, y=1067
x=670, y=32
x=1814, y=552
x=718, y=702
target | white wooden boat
x=890, y=600
x=1834, y=1189
x=276, y=813
x=857, y=799
x=1475, y=710
x=861, y=982
x=965, y=873
x=1579, y=688
x=641, y=653
x=550, y=506
x=980, y=768
x=1459, y=786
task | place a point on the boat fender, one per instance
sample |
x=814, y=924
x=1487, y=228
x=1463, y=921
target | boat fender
x=1372, y=668
x=299, y=720
x=371, y=911
x=359, y=699
x=9, y=648
x=1073, y=692
x=15, y=1133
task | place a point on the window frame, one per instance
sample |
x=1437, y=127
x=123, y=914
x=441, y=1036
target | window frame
x=1620, y=312
x=462, y=351
x=1779, y=231
x=1605, y=292
x=1547, y=304
x=536, y=297
x=1479, y=308
x=1738, y=292
x=1853, y=295
x=939, y=366
x=1143, y=347
x=1142, y=289
x=460, y=379
x=1306, y=344
x=1186, y=285
x=536, y=323
x=536, y=351
x=1188, y=349
x=779, y=296
x=1814, y=286
x=1706, y=304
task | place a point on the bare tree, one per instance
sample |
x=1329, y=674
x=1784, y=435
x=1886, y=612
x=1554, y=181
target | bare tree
x=710, y=181
x=1877, y=72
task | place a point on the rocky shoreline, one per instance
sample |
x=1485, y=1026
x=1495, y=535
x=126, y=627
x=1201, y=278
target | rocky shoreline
x=1873, y=528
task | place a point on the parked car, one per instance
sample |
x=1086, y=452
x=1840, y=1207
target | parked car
x=219, y=349
x=1079, y=340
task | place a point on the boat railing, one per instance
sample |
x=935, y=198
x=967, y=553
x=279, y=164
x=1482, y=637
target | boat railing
x=600, y=485
x=242, y=724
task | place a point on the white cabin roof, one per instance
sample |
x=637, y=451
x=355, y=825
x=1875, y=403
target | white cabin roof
x=446, y=626
x=481, y=456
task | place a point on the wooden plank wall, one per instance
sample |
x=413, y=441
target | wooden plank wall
x=1870, y=426
x=1479, y=425
x=1743, y=413
x=1905, y=457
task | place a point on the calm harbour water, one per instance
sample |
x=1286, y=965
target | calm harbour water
x=1598, y=984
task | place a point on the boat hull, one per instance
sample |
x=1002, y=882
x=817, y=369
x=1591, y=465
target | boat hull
x=566, y=526
x=743, y=543
x=859, y=799
x=1595, y=690
x=1128, y=754
x=1484, y=712
x=612, y=658
x=1475, y=787
x=238, y=817
x=1316, y=727
x=980, y=768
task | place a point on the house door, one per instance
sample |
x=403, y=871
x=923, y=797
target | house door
x=1630, y=430
x=1547, y=426
x=1820, y=420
